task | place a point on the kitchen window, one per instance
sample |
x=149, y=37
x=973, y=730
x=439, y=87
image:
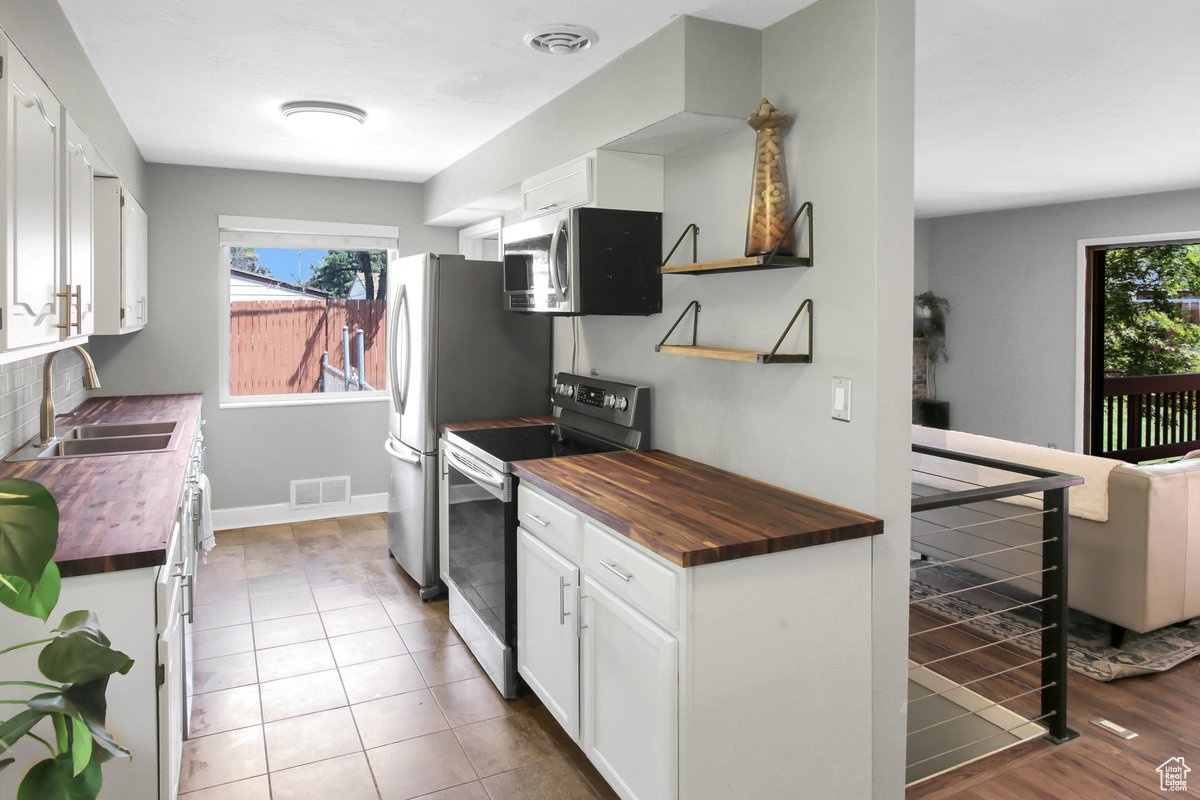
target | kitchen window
x=304, y=311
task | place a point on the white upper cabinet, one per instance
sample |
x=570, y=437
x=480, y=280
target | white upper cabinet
x=602, y=178
x=79, y=168
x=122, y=288
x=33, y=134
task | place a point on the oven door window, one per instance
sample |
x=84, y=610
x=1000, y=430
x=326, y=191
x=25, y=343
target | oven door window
x=527, y=265
x=477, y=537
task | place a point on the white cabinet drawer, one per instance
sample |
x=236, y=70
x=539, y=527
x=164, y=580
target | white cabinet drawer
x=551, y=521
x=564, y=186
x=637, y=579
x=170, y=580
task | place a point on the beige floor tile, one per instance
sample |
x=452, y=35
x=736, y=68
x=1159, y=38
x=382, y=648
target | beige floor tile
x=372, y=680
x=315, y=528
x=229, y=537
x=592, y=776
x=474, y=700
x=288, y=630
x=355, y=619
x=372, y=537
x=227, y=571
x=224, y=554
x=272, y=565
x=546, y=721
x=310, y=738
x=342, y=778
x=250, y=789
x=362, y=522
x=210, y=590
x=428, y=634
x=396, y=718
x=226, y=672
x=276, y=606
x=218, y=642
x=312, y=548
x=406, y=608
x=303, y=694
x=294, y=659
x=419, y=766
x=267, y=533
x=222, y=758
x=284, y=548
x=467, y=791
x=225, y=710
x=355, y=648
x=279, y=583
x=447, y=664
x=221, y=615
x=552, y=779
x=331, y=598
x=321, y=576
x=505, y=743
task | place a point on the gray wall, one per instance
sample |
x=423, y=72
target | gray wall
x=850, y=152
x=41, y=31
x=1011, y=279
x=253, y=452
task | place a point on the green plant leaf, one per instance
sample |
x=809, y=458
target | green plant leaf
x=4, y=762
x=16, y=727
x=84, y=702
x=53, y=779
x=28, y=529
x=81, y=653
x=81, y=746
x=38, y=602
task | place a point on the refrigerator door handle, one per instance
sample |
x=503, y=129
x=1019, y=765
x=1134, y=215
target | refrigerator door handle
x=407, y=346
x=393, y=354
x=405, y=454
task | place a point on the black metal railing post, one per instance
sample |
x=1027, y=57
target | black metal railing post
x=1054, y=615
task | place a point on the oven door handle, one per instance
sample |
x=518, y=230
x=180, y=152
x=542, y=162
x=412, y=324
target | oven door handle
x=476, y=472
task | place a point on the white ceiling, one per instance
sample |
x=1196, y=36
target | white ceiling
x=201, y=82
x=1019, y=102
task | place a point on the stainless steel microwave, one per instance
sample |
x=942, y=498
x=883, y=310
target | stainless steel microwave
x=585, y=261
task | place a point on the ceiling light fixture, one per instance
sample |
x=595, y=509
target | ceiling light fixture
x=321, y=119
x=561, y=39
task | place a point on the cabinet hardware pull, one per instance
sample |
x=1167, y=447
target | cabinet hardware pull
x=613, y=569
x=562, y=601
x=78, y=309
x=66, y=296
x=548, y=206
x=539, y=520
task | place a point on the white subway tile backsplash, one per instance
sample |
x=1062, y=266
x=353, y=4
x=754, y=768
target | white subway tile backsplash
x=21, y=395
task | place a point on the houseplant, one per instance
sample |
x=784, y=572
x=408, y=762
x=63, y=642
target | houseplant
x=929, y=328
x=76, y=658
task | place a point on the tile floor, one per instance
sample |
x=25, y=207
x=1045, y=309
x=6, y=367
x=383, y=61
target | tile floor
x=319, y=673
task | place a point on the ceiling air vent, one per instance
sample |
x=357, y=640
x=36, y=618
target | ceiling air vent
x=321, y=492
x=561, y=39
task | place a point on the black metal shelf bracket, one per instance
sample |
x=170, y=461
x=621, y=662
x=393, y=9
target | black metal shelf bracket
x=806, y=206
x=806, y=304
x=695, y=323
x=694, y=229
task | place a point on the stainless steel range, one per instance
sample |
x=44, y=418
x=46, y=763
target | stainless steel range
x=593, y=416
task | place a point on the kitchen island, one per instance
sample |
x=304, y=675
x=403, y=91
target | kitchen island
x=698, y=634
x=125, y=551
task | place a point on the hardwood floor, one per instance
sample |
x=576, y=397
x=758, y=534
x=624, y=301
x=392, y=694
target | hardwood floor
x=1163, y=709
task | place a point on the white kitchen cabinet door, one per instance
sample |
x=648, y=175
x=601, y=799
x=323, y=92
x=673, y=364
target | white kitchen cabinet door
x=134, y=262
x=78, y=206
x=121, y=247
x=565, y=186
x=547, y=637
x=171, y=696
x=33, y=132
x=630, y=689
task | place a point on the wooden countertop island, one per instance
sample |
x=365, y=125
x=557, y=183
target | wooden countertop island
x=116, y=511
x=691, y=513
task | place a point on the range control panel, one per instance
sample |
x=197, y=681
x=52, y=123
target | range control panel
x=614, y=401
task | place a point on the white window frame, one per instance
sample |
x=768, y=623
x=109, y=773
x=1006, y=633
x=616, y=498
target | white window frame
x=239, y=231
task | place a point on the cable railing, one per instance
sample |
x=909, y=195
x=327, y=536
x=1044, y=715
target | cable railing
x=988, y=610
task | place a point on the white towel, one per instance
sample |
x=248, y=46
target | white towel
x=208, y=538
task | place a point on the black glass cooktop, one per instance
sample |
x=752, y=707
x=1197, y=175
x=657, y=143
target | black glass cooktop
x=525, y=442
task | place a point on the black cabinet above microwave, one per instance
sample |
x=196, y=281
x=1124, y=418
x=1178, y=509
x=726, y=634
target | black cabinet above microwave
x=585, y=261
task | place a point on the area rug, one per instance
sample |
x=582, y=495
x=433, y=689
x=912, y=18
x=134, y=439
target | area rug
x=1088, y=649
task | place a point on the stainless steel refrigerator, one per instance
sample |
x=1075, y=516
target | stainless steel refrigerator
x=454, y=355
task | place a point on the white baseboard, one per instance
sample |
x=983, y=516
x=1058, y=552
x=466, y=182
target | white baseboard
x=282, y=513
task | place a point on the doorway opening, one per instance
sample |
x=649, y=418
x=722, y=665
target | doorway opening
x=1142, y=350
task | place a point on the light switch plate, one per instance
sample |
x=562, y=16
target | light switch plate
x=841, y=399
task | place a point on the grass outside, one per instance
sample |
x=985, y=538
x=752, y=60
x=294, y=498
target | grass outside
x=1174, y=427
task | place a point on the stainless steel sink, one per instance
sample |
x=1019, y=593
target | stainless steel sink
x=104, y=431
x=101, y=439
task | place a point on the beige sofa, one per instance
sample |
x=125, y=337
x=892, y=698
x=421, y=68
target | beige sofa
x=1133, y=540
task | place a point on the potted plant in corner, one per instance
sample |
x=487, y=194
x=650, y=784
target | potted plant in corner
x=76, y=659
x=929, y=329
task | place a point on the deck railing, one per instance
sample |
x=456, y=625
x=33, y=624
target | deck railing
x=1018, y=557
x=1146, y=417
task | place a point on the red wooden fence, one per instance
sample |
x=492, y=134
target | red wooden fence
x=275, y=346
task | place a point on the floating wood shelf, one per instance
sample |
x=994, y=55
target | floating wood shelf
x=772, y=356
x=737, y=265
x=772, y=260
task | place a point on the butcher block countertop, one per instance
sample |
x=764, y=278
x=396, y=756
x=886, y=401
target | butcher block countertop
x=116, y=511
x=515, y=422
x=690, y=513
